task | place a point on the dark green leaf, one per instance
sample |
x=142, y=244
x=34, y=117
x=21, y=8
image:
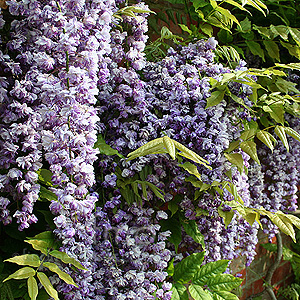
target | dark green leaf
x=46, y=194
x=223, y=282
x=272, y=49
x=179, y=292
x=256, y=49
x=185, y=270
x=191, y=228
x=104, y=148
x=45, y=176
x=210, y=270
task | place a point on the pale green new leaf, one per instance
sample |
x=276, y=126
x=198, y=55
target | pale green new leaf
x=237, y=5
x=191, y=168
x=62, y=275
x=64, y=257
x=248, y=134
x=215, y=98
x=227, y=14
x=226, y=215
x=294, y=134
x=25, y=260
x=185, y=152
x=21, y=274
x=232, y=146
x=223, y=282
x=224, y=295
x=197, y=293
x=281, y=224
x=250, y=148
x=153, y=147
x=210, y=270
x=293, y=219
x=256, y=4
x=39, y=245
x=185, y=270
x=236, y=159
x=44, y=280
x=266, y=138
x=32, y=288
x=280, y=131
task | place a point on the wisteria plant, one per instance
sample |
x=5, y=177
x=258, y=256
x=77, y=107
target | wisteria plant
x=137, y=179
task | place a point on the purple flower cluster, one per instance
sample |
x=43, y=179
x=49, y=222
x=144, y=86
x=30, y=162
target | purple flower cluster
x=131, y=253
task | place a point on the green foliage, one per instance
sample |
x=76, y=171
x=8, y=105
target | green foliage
x=168, y=145
x=203, y=282
x=44, y=242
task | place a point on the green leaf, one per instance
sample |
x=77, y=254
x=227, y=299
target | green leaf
x=226, y=215
x=170, y=269
x=280, y=30
x=295, y=33
x=255, y=49
x=272, y=49
x=21, y=274
x=294, y=134
x=62, y=275
x=197, y=293
x=294, y=50
x=277, y=112
x=282, y=223
x=104, y=148
x=64, y=257
x=210, y=270
x=32, y=288
x=266, y=138
x=264, y=31
x=224, y=282
x=44, y=280
x=25, y=260
x=185, y=28
x=236, y=159
x=191, y=228
x=248, y=134
x=45, y=176
x=250, y=148
x=184, y=271
x=46, y=194
x=173, y=207
x=39, y=245
x=245, y=25
x=191, y=168
x=280, y=131
x=169, y=145
x=215, y=98
x=232, y=146
x=179, y=292
x=174, y=226
x=224, y=295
